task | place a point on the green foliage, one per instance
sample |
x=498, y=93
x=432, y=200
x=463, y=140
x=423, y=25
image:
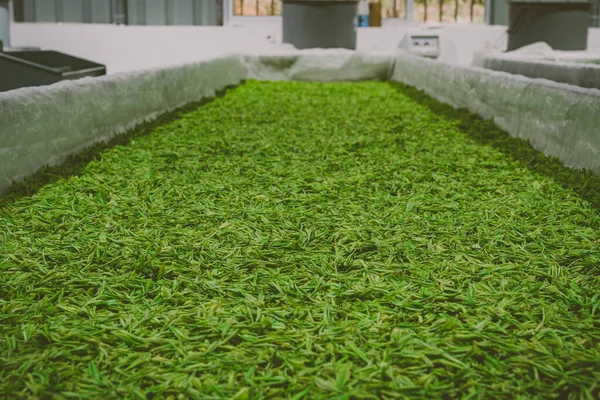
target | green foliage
x=305, y=240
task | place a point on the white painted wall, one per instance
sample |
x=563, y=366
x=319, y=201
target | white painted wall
x=127, y=48
x=594, y=40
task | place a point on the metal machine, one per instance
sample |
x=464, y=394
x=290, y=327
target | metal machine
x=320, y=23
x=33, y=67
x=41, y=67
x=562, y=24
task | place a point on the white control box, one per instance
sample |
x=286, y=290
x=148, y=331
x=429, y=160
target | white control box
x=424, y=44
x=423, y=41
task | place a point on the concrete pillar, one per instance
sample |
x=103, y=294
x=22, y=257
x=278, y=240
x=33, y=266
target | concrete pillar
x=4, y=23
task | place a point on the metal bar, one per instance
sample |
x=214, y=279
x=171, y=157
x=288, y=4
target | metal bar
x=141, y=12
x=195, y=12
x=471, y=9
x=87, y=11
x=20, y=61
x=58, y=11
x=410, y=10
x=168, y=14
x=18, y=11
x=111, y=11
x=219, y=12
x=83, y=71
x=456, y=6
x=487, y=18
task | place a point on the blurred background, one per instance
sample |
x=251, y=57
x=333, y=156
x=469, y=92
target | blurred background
x=423, y=10
x=210, y=12
x=126, y=35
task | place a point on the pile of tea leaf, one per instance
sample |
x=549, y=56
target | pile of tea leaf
x=302, y=240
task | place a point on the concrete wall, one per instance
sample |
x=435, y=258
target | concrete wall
x=129, y=48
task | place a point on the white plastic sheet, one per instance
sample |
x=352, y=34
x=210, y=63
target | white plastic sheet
x=538, y=60
x=579, y=74
x=43, y=125
x=319, y=65
x=558, y=119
